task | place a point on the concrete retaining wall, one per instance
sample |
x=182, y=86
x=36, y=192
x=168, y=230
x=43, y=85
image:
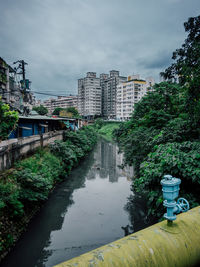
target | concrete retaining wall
x=14, y=149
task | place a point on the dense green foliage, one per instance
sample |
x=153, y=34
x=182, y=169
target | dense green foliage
x=37, y=176
x=74, y=147
x=57, y=111
x=158, y=118
x=163, y=134
x=34, y=178
x=74, y=112
x=9, y=198
x=41, y=110
x=161, y=139
x=187, y=68
x=99, y=123
x=8, y=120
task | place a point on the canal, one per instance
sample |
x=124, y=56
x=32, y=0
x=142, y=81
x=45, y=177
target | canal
x=94, y=206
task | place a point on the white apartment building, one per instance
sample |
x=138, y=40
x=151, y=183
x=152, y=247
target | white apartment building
x=129, y=93
x=89, y=95
x=109, y=87
x=61, y=102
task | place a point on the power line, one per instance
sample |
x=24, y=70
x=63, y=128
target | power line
x=50, y=94
x=41, y=93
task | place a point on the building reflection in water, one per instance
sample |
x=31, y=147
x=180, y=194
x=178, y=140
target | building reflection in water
x=108, y=161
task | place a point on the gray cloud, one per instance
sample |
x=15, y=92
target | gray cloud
x=160, y=61
x=62, y=40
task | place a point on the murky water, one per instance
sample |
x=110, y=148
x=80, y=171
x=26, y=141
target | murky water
x=90, y=209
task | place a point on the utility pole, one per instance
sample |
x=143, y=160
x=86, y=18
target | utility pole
x=25, y=86
x=21, y=66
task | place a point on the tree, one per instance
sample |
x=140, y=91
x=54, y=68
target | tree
x=57, y=111
x=99, y=123
x=187, y=68
x=74, y=111
x=71, y=112
x=8, y=120
x=149, y=124
x=156, y=108
x=41, y=110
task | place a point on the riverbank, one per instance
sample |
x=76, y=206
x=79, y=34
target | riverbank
x=105, y=128
x=76, y=218
x=25, y=188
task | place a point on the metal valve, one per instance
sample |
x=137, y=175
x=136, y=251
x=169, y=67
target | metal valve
x=170, y=188
x=182, y=204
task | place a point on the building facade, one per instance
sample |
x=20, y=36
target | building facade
x=61, y=102
x=109, y=89
x=89, y=95
x=103, y=80
x=129, y=93
x=112, y=96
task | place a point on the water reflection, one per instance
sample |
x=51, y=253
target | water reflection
x=137, y=209
x=88, y=210
x=108, y=162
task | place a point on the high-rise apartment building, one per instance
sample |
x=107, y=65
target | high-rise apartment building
x=103, y=79
x=109, y=88
x=129, y=93
x=111, y=95
x=89, y=95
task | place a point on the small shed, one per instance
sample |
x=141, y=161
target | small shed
x=37, y=124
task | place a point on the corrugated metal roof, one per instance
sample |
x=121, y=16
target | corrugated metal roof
x=40, y=117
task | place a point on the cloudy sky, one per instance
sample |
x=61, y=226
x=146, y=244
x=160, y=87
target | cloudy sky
x=61, y=40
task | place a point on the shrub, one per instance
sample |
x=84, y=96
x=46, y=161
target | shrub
x=34, y=187
x=75, y=146
x=98, y=123
x=181, y=160
x=84, y=138
x=64, y=153
x=8, y=120
x=37, y=175
x=9, y=199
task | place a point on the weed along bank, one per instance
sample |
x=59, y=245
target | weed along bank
x=26, y=187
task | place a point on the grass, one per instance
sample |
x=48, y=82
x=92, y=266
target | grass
x=107, y=129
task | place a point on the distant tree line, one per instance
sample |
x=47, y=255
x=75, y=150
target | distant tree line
x=70, y=111
x=41, y=110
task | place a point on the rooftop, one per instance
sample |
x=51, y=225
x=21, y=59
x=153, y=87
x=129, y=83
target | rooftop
x=41, y=117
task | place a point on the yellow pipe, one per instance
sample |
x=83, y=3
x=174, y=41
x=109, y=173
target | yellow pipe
x=158, y=245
